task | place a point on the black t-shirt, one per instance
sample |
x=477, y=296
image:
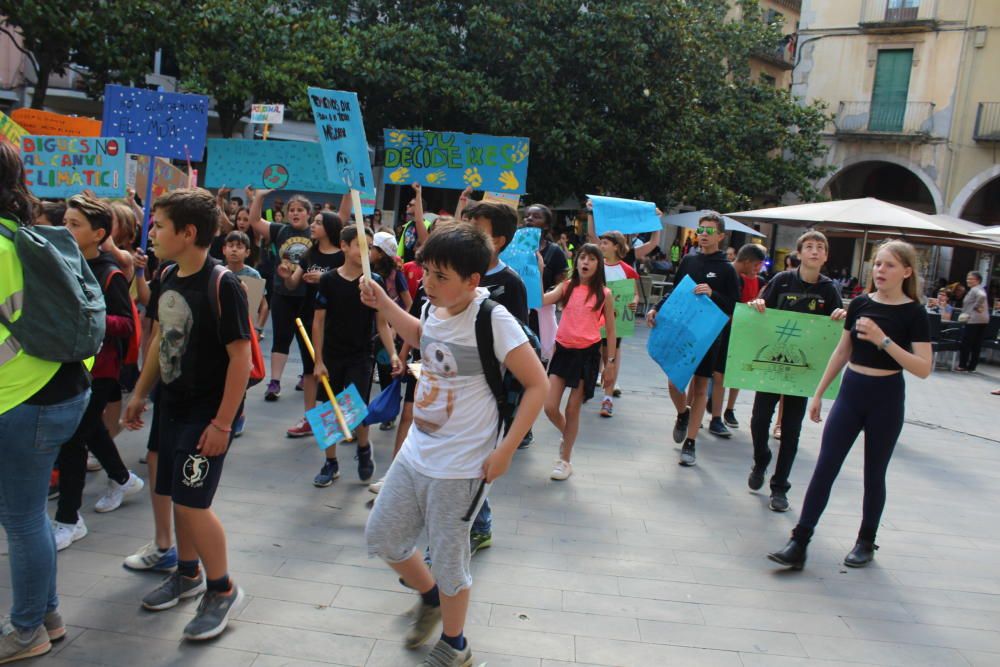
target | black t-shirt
x=349, y=324
x=314, y=260
x=116, y=297
x=905, y=324
x=292, y=244
x=193, y=339
x=787, y=291
x=507, y=289
x=717, y=272
x=554, y=265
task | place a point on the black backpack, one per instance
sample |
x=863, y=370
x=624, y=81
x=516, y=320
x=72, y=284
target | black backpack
x=506, y=389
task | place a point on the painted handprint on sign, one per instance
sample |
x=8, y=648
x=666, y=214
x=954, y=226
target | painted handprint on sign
x=400, y=175
x=399, y=138
x=472, y=177
x=436, y=177
x=520, y=153
x=509, y=181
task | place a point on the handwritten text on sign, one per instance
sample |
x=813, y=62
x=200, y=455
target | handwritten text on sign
x=455, y=160
x=341, y=133
x=272, y=114
x=64, y=166
x=171, y=125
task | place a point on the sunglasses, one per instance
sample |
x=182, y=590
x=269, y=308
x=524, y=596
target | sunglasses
x=706, y=230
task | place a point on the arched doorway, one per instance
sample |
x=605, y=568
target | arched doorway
x=984, y=206
x=883, y=180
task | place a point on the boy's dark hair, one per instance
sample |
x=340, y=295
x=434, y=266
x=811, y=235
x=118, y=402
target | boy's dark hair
x=812, y=235
x=350, y=232
x=461, y=246
x=97, y=213
x=751, y=252
x=503, y=219
x=191, y=206
x=54, y=211
x=716, y=218
x=238, y=200
x=236, y=236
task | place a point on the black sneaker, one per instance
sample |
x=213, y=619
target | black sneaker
x=681, y=426
x=687, y=453
x=366, y=465
x=729, y=417
x=756, y=479
x=329, y=472
x=528, y=439
x=779, y=501
x=213, y=613
x=717, y=428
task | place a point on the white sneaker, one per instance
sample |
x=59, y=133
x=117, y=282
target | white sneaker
x=562, y=470
x=116, y=493
x=67, y=533
x=93, y=465
x=375, y=487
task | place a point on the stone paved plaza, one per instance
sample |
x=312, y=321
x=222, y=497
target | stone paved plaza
x=632, y=561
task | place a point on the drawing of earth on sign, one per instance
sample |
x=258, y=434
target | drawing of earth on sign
x=784, y=351
x=275, y=176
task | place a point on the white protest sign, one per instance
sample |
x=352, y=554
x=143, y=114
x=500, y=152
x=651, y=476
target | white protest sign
x=273, y=114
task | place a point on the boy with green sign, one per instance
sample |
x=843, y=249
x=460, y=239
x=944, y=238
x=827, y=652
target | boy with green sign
x=803, y=290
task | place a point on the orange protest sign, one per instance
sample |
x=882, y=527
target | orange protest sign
x=166, y=177
x=36, y=121
x=10, y=130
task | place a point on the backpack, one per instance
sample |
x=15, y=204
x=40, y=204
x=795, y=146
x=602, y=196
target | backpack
x=130, y=355
x=506, y=389
x=257, y=369
x=62, y=317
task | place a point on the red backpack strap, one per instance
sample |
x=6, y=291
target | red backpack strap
x=215, y=285
x=111, y=274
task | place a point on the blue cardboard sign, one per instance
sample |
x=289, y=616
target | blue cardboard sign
x=58, y=167
x=171, y=125
x=455, y=160
x=342, y=137
x=269, y=165
x=323, y=419
x=685, y=329
x=521, y=256
x=628, y=216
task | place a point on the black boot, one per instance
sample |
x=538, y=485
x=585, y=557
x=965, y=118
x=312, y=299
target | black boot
x=793, y=555
x=862, y=554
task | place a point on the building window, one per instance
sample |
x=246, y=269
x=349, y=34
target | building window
x=901, y=10
x=892, y=83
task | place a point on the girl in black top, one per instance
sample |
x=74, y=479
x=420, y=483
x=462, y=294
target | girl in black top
x=323, y=256
x=885, y=332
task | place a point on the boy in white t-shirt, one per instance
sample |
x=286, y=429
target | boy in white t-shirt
x=451, y=455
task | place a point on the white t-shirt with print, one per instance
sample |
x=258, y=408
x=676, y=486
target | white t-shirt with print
x=454, y=412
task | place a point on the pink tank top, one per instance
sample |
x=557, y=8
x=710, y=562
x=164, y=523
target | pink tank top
x=580, y=326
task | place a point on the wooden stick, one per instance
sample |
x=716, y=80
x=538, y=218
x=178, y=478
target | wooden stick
x=359, y=222
x=267, y=127
x=326, y=383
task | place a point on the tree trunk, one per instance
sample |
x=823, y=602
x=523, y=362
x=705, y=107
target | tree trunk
x=43, y=72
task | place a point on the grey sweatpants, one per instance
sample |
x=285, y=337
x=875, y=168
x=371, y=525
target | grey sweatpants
x=407, y=503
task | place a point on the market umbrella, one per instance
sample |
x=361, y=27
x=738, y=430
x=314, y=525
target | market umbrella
x=993, y=232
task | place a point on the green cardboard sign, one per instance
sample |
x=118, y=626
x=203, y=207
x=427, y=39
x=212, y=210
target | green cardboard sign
x=623, y=291
x=781, y=352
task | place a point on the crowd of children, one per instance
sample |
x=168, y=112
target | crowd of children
x=442, y=312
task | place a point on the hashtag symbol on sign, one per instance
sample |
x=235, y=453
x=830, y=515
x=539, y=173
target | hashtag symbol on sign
x=787, y=331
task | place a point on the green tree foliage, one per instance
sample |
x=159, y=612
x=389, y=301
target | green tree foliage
x=105, y=41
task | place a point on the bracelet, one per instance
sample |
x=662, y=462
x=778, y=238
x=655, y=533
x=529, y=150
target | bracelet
x=224, y=429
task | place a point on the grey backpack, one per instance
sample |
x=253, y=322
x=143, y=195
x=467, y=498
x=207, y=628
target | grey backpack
x=62, y=317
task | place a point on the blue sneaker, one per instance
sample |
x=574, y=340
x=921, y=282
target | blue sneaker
x=329, y=472
x=239, y=425
x=151, y=558
x=718, y=428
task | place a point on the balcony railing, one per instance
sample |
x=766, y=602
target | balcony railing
x=894, y=15
x=782, y=56
x=912, y=121
x=987, y=122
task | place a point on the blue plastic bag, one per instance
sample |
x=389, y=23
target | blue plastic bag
x=385, y=406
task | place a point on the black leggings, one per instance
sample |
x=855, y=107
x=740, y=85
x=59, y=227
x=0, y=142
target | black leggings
x=93, y=435
x=865, y=403
x=284, y=310
x=791, y=425
x=972, y=343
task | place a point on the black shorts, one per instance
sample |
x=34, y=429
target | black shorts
x=345, y=372
x=708, y=363
x=577, y=365
x=307, y=361
x=411, y=389
x=189, y=478
x=723, y=352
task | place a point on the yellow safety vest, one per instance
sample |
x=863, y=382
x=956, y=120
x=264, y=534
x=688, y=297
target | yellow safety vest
x=21, y=375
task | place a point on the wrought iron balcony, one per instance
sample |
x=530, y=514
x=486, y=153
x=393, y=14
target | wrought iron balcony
x=987, y=122
x=894, y=121
x=782, y=56
x=898, y=15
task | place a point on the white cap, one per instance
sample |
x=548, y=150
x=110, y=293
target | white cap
x=385, y=242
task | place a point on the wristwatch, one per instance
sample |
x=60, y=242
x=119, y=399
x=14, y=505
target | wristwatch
x=886, y=342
